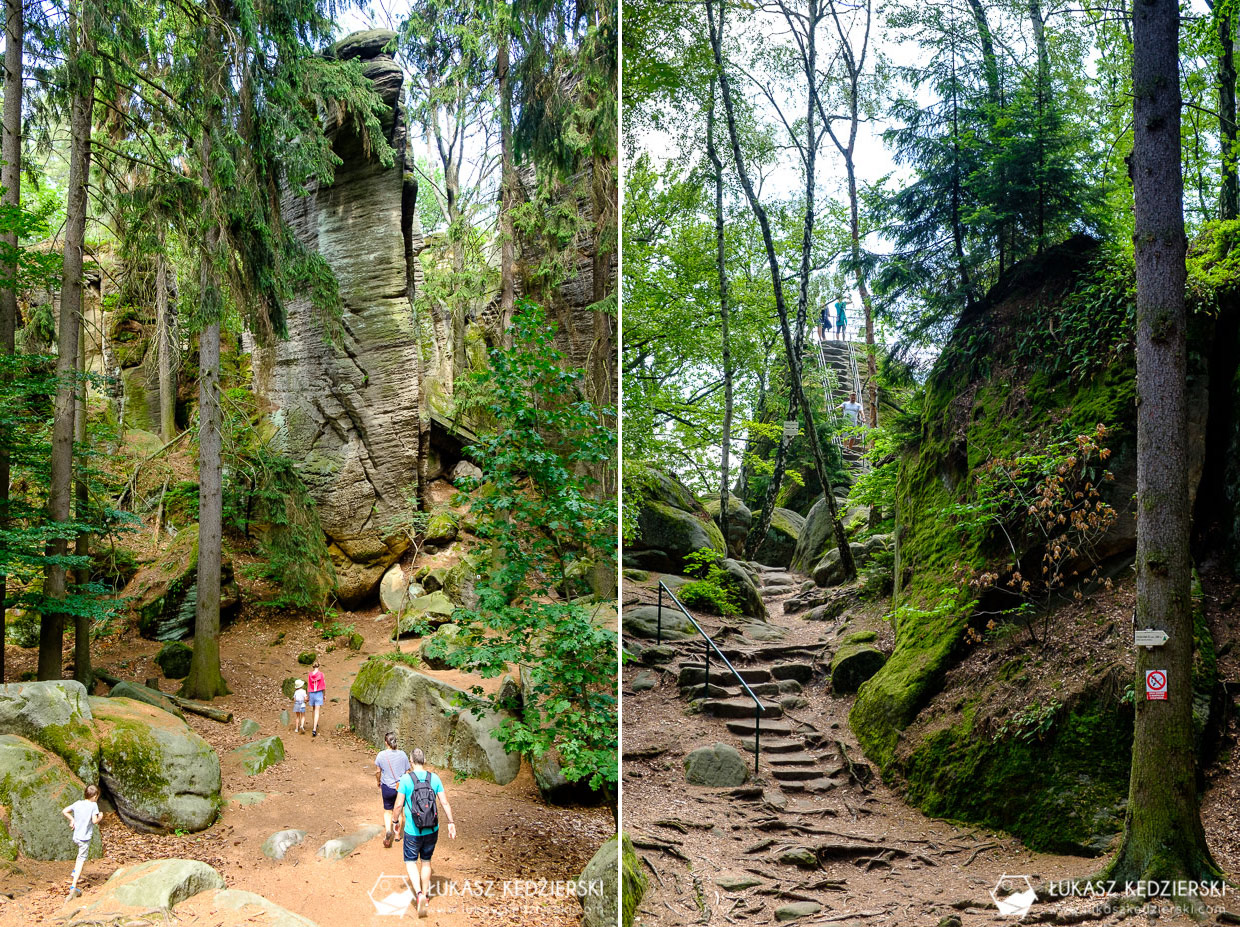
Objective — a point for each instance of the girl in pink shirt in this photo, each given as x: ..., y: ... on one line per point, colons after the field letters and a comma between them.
x: 315, y: 686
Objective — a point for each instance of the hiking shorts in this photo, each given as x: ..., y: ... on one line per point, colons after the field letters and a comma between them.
x: 420, y: 847
x: 316, y: 698
x: 84, y: 850
x: 389, y: 797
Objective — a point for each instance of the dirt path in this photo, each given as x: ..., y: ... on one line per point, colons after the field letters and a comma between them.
x: 867, y: 858
x: 326, y: 787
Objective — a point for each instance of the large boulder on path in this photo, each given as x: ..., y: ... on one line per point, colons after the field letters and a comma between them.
x: 739, y: 580
x: 162, y: 776
x: 166, y: 591
x: 718, y: 766
x: 740, y: 520
x: 600, y: 880
x: 817, y: 534
x: 780, y: 543
x: 671, y: 521
x: 35, y: 784
x: 158, y: 884
x: 55, y: 715
x: 854, y: 663
x: 434, y: 715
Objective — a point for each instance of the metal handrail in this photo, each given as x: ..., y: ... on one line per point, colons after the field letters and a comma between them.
x: 711, y: 645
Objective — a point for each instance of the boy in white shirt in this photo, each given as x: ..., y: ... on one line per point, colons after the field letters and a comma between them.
x: 82, y: 817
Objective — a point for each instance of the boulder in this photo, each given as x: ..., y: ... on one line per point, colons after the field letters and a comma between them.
x: 643, y: 621
x: 643, y: 681
x: 35, y: 785
x: 817, y: 535
x: 780, y: 543
x: 394, y: 588
x: 340, y: 847
x: 279, y: 843
x: 744, y: 588
x: 259, y: 755
x: 437, y: 650
x: 165, y: 592
x: 719, y: 766
x: 796, y: 910
x: 670, y: 520
x: 853, y: 664
x: 174, y: 659
x: 269, y: 913
x: 829, y: 571
x: 162, y: 776
x: 146, y: 694
x: 158, y: 884
x: 601, y: 898
x: 367, y: 44
x: 434, y: 715
x: 463, y: 469
x: 346, y: 404
x: 56, y: 715
x: 245, y: 799
x: 442, y: 528
x: 740, y: 520
x: 433, y: 608
x: 250, y: 727
x: 459, y: 581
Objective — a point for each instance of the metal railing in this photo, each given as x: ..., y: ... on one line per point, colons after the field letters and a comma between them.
x: 759, y: 708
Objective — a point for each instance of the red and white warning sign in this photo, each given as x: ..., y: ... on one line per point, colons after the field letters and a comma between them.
x: 1155, y: 684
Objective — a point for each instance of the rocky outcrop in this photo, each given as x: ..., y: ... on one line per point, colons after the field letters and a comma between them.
x: 435, y: 716
x: 780, y: 542
x: 35, y: 785
x: 161, y: 775
x: 56, y: 715
x: 740, y: 520
x: 158, y: 884
x: 347, y: 407
x: 165, y: 592
x: 671, y: 523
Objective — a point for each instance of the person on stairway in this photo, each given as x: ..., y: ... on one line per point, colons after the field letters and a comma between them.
x: 824, y: 323
x: 852, y: 409
x: 841, y: 318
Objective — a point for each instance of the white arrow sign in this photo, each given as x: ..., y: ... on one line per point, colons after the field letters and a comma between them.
x: 1149, y: 638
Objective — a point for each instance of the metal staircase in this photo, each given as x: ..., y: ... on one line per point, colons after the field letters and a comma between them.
x: 837, y: 364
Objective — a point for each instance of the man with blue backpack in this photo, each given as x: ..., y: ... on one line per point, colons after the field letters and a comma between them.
x: 417, y: 792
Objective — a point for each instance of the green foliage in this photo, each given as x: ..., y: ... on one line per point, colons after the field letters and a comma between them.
x: 1033, y: 722
x: 1084, y: 331
x: 411, y: 660
x: 543, y: 511
x: 709, y: 591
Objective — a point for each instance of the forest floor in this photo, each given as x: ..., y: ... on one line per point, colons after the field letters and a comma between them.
x: 325, y: 786
x: 879, y: 861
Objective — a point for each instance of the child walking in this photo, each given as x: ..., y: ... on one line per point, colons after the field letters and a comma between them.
x: 82, y: 816
x: 299, y: 706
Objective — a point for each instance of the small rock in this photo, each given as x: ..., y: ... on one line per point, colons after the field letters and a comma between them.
x: 284, y: 718
x: 645, y: 680
x: 718, y: 766
x: 801, y: 857
x: 249, y: 798
x: 464, y: 470
x: 789, y: 687
x: 637, y: 576
x: 250, y: 727
x: 307, y: 657
x: 793, y: 702
x: 801, y: 672
x: 736, y: 883
x: 174, y: 659
x: 658, y: 655
x: 775, y: 799
x: 762, y: 632
x: 861, y: 637
x: 343, y: 846
x: 790, y: 912
x: 950, y: 921
x: 281, y: 842
x: 854, y: 664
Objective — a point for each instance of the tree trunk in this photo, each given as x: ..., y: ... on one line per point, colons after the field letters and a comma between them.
x: 59, y: 494
x: 757, y: 534
x: 82, y: 622
x: 990, y: 64
x: 166, y: 346
x: 794, y: 362
x: 721, y: 265
x: 508, y: 191
x: 1163, y: 835
x: 10, y: 179
x: 809, y: 61
x: 1044, y: 81
x: 1229, y: 195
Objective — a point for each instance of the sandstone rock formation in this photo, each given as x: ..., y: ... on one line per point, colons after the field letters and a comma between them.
x: 347, y: 407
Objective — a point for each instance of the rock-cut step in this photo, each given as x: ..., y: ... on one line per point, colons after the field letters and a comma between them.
x: 772, y: 729
x: 740, y: 708
x: 792, y: 759
x: 694, y: 674
x: 776, y: 746
x: 796, y: 773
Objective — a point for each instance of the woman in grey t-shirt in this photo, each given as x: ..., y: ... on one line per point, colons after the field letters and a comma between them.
x: 390, y: 765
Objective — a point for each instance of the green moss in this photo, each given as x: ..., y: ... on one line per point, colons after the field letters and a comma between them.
x: 1063, y: 793
x: 633, y: 881
x: 129, y: 751
x: 374, y: 676
x: 76, y: 744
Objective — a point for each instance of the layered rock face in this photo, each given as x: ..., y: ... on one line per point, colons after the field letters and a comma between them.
x: 347, y: 408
